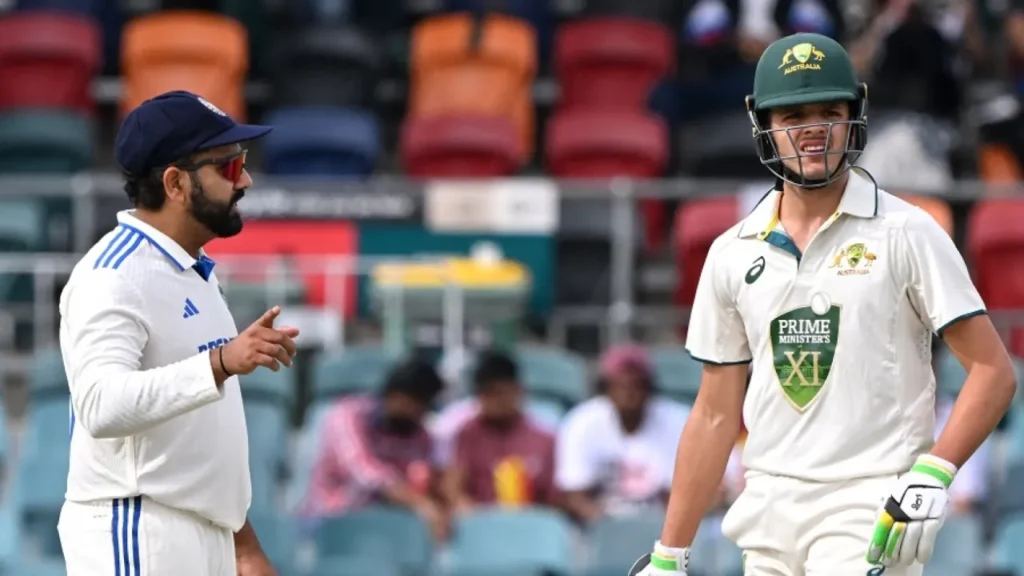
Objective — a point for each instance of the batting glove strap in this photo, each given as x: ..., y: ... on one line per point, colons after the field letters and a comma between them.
x: 670, y: 559
x: 935, y: 467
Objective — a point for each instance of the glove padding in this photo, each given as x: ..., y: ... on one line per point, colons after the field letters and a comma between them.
x: 911, y: 517
x: 664, y: 561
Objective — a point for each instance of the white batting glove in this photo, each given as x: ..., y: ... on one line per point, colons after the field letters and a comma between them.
x: 664, y: 561
x: 910, y: 519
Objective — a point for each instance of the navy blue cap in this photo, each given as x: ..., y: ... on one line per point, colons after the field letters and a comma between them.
x: 173, y: 125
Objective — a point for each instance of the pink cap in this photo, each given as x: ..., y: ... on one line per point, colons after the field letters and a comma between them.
x: 617, y: 359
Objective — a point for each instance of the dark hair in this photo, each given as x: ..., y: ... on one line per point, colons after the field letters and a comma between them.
x: 493, y: 366
x: 145, y: 191
x: 417, y: 378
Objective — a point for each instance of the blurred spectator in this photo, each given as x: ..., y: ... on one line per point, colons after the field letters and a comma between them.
x: 615, y: 452
x: 375, y: 450
x: 909, y: 55
x: 970, y: 487
x: 500, y: 457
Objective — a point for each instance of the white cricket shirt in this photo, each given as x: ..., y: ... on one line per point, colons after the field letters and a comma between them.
x: 138, y: 319
x: 839, y: 336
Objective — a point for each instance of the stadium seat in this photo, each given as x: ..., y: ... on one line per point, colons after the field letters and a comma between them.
x: 259, y: 27
x: 22, y: 225
x: 1010, y: 498
x: 80, y: 7
x: 553, y: 374
x: 937, y: 207
x: 543, y: 541
x: 248, y: 300
x: 269, y: 387
x: 995, y: 245
x: 464, y: 66
x: 617, y: 542
x: 539, y: 15
x: 373, y: 532
x: 201, y: 52
x: 47, y: 378
x: 48, y: 60
x: 997, y: 164
x: 327, y: 66
x: 268, y: 428
x: 667, y: 12
x: 713, y: 553
x: 35, y: 141
x: 960, y: 544
x: 1008, y: 554
x: 464, y: 146
x: 322, y: 141
x: 278, y: 537
x: 354, y: 370
x: 698, y: 223
x: 949, y: 373
x: 589, y: 142
x: 612, y: 62
x: 677, y: 373
x: 547, y: 412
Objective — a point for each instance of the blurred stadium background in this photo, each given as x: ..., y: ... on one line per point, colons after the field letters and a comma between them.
x: 541, y: 175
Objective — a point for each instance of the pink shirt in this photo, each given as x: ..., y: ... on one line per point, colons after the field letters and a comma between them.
x: 357, y: 458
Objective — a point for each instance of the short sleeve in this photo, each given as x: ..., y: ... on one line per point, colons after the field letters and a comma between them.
x: 715, y: 334
x: 576, y: 465
x: 939, y: 285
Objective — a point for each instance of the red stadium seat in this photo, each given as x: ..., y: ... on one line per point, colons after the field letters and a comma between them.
x: 48, y: 60
x: 995, y: 244
x: 315, y: 240
x: 612, y: 62
x: 601, y: 143
x: 698, y: 223
x: 460, y: 147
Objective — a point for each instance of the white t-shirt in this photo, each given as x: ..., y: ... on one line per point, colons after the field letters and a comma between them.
x: 631, y: 472
x: 137, y: 324
x: 855, y: 313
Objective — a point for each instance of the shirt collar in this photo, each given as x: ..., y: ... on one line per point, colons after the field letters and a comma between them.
x: 860, y: 199
x: 168, y: 247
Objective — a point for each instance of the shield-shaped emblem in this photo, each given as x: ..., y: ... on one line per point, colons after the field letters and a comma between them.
x: 803, y: 349
x: 854, y: 254
x: 802, y: 52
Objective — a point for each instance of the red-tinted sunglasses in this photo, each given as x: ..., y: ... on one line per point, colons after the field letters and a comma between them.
x: 230, y: 167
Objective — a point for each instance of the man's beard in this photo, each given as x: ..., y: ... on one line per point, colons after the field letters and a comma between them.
x: 216, y: 216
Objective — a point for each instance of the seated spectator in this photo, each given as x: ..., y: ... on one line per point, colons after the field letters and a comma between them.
x: 615, y: 452
x: 500, y: 457
x: 375, y: 450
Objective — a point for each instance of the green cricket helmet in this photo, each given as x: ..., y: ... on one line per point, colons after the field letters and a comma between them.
x: 800, y: 69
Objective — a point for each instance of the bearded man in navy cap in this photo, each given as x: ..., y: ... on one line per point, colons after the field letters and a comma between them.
x: 159, y: 479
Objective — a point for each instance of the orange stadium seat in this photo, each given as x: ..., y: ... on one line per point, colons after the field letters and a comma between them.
x: 200, y: 52
x: 612, y: 61
x: 588, y: 143
x: 297, y: 239
x: 460, y: 65
x: 48, y: 60
x: 460, y: 146
x: 937, y: 207
x: 698, y: 223
x: 998, y: 164
x: 995, y: 243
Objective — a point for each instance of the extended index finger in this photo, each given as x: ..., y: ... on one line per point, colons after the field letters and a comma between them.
x: 268, y: 317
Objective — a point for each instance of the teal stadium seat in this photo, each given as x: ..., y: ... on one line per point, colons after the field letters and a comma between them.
x: 553, y: 374
x: 960, y: 545
x: 547, y: 412
x: 712, y: 554
x: 616, y: 543
x: 949, y: 373
x: 267, y: 426
x: 45, y: 141
x: 377, y: 532
x: 354, y: 370
x: 677, y: 373
x: 1008, y: 553
x: 356, y: 566
x: 22, y: 229
x: 278, y: 535
x: 542, y: 542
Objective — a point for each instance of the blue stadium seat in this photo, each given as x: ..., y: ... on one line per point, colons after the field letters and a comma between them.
x: 543, y: 541
x: 960, y: 544
x: 322, y: 141
x: 1008, y: 554
x: 267, y: 386
x: 304, y: 455
x: 712, y: 552
x: 949, y: 373
x: 45, y: 141
x: 47, y: 376
x: 1010, y: 497
x: 355, y: 566
x: 677, y: 373
x: 22, y: 224
x: 278, y: 536
x: 373, y: 532
x: 89, y: 7
x: 547, y: 412
x: 267, y: 426
x: 553, y: 374
x: 354, y: 370
x: 617, y: 542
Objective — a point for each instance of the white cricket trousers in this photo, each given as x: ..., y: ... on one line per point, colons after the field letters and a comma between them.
x: 138, y: 537
x: 790, y: 527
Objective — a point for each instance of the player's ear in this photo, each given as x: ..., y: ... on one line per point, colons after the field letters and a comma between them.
x: 176, y: 183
